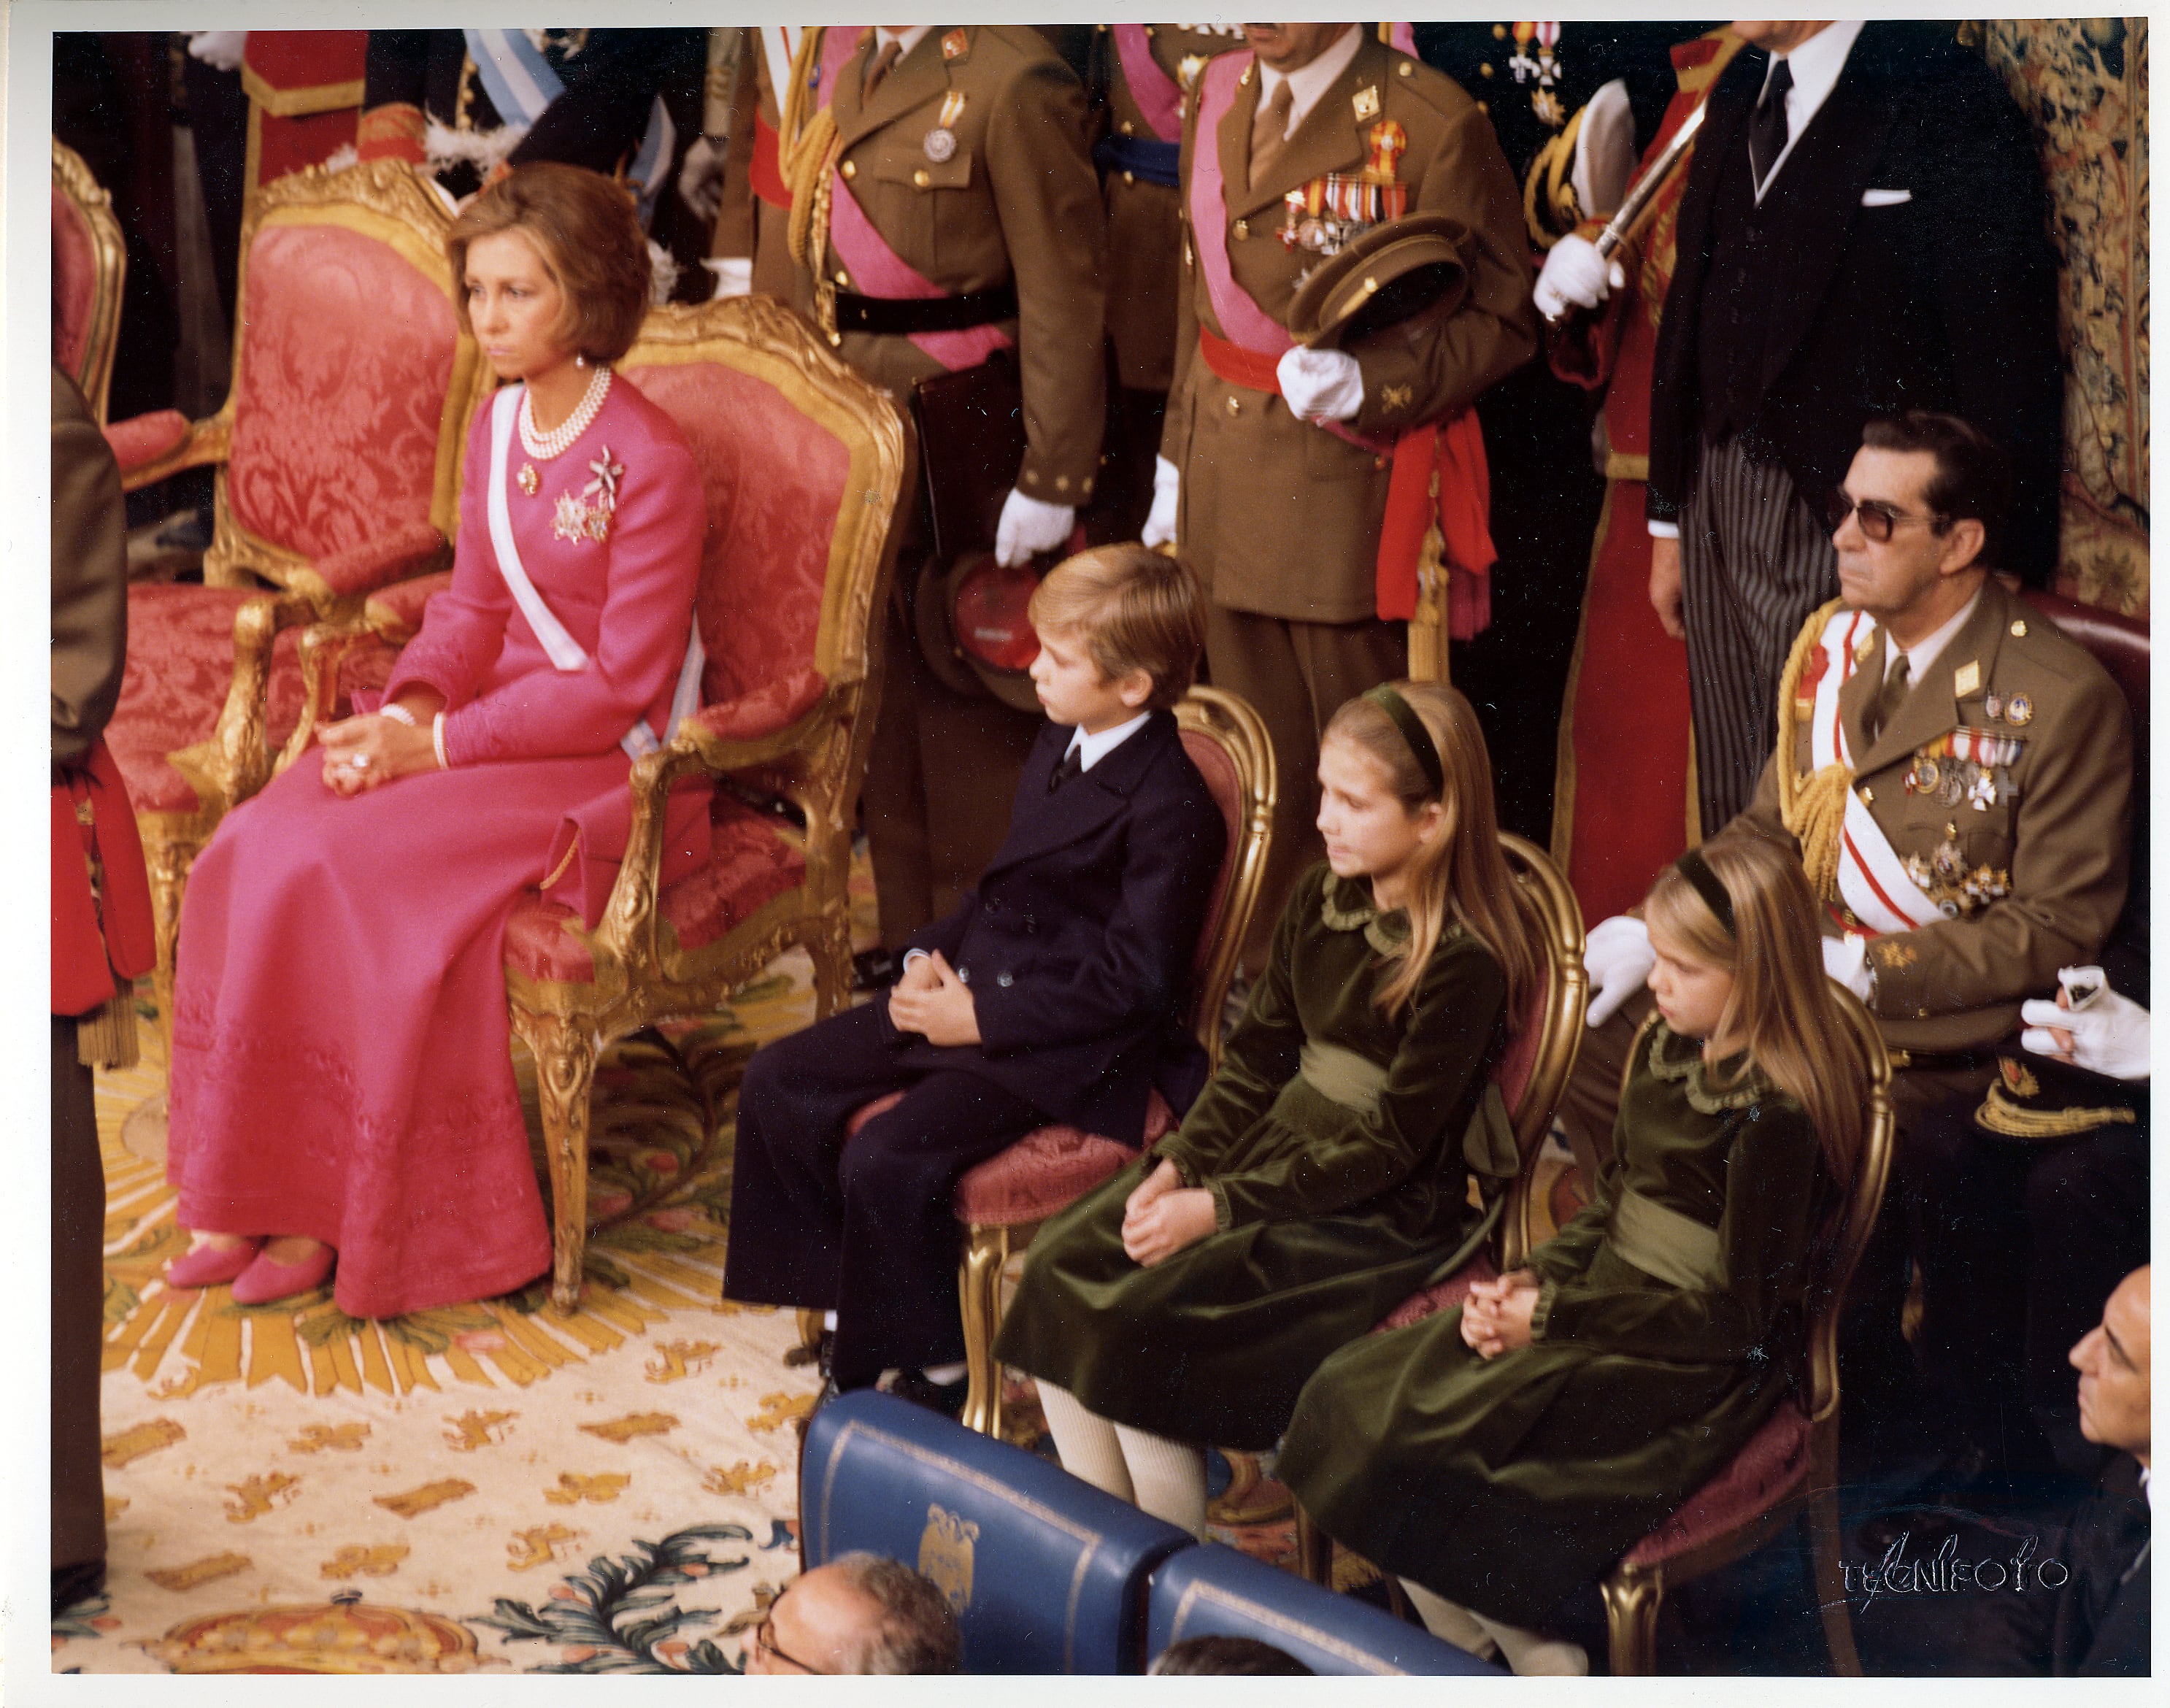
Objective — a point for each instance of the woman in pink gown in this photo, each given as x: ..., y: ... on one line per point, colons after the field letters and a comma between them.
x: 342, y: 1089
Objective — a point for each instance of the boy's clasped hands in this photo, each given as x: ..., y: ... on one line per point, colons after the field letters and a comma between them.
x: 1496, y: 1317
x: 931, y: 1001
x: 1163, y: 1215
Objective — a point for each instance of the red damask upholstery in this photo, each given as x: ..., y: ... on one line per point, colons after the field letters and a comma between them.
x: 1447, y: 1294
x: 1049, y: 1169
x: 1765, y: 1472
x: 141, y: 438
x: 75, y: 286
x: 180, y: 665
x: 767, y: 466
x: 343, y: 363
x: 1227, y: 788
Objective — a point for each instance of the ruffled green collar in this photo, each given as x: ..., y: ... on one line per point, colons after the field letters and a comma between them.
x: 1346, y: 904
x: 1711, y: 1088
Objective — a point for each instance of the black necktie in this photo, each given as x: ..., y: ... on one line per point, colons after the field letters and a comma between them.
x: 1767, y: 129
x: 1072, y: 763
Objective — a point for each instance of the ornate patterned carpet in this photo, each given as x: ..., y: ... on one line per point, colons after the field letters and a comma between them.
x: 499, y: 1487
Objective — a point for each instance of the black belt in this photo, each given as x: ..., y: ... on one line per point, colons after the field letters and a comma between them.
x: 1941, y: 1060
x: 898, y: 316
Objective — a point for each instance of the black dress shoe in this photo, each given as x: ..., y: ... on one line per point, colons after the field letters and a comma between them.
x: 874, y: 969
x: 946, y: 1397
x: 75, y: 1583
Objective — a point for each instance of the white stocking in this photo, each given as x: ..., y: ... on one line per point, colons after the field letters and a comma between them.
x: 1450, y: 1621
x: 1168, y: 1476
x: 1529, y: 1653
x: 1086, y: 1441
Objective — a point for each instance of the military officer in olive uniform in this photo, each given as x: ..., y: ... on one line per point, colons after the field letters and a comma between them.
x: 1573, y: 105
x: 963, y: 218
x: 1139, y: 77
x: 1273, y: 478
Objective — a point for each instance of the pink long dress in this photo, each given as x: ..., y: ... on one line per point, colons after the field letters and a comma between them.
x: 341, y: 1065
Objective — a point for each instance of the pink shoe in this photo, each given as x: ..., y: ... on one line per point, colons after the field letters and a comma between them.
x: 264, y: 1281
x: 206, y: 1266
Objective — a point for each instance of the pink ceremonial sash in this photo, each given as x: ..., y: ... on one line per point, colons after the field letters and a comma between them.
x: 878, y: 270
x: 1152, y: 89
x: 1403, y: 39
x: 1241, y: 318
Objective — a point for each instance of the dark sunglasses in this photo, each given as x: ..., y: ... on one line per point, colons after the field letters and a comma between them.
x: 1876, y: 518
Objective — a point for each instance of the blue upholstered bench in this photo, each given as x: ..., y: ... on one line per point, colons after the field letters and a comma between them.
x: 1214, y: 1590
x: 1047, y: 1573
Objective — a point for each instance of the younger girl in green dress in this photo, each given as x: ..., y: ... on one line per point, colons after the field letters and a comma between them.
x: 1500, y: 1456
x: 1324, y: 1173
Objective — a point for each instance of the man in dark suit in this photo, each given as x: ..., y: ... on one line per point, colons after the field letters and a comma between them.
x: 1055, y: 993
x: 1861, y: 233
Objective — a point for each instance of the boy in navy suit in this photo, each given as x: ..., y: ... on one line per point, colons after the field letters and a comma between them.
x: 1055, y: 993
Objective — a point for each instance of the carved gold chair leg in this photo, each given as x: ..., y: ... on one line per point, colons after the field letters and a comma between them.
x: 1823, y: 1546
x: 830, y: 951
x: 167, y: 859
x: 979, y: 1299
x: 564, y: 1051
x: 1633, y: 1596
x: 1314, y: 1551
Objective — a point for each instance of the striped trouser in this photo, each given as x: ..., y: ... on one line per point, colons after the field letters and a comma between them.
x: 1754, y: 564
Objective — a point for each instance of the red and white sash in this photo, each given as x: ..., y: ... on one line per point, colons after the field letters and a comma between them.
x: 1872, y: 878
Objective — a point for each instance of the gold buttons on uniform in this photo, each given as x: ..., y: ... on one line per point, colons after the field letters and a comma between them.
x: 1484, y: 71
x: 841, y: 278
x: 1868, y: 795
x: 1062, y: 483
x: 1951, y: 829
x: 920, y: 180
x: 2019, y: 629
x: 1235, y: 406
x: 850, y: 169
x: 1484, y: 106
x: 1499, y: 32
x: 1407, y: 70
x: 1242, y: 230
x: 1378, y: 462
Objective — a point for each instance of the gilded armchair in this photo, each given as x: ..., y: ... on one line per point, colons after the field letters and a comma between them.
x: 90, y: 267
x: 338, y: 455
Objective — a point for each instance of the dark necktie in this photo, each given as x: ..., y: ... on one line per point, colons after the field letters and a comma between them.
x: 1767, y: 129
x: 1889, y: 697
x: 878, y: 70
x: 1072, y: 763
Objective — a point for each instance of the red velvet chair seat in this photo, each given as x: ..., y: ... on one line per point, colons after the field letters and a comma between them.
x: 142, y: 439
x: 180, y: 666
x: 1444, y: 1296
x: 1764, y: 1472
x: 750, y: 866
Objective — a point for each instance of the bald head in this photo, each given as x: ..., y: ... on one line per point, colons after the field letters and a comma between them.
x: 2113, y: 1362
x: 859, y: 1613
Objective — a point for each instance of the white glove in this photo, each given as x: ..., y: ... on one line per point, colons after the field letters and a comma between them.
x: 733, y: 275
x: 1575, y: 277
x: 2109, y: 1035
x: 1160, y: 522
x: 1846, y: 962
x: 219, y: 49
x: 1320, y: 385
x: 1618, y: 957
x: 1029, y: 527
x: 701, y: 178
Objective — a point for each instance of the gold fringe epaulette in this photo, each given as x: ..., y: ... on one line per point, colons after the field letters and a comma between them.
x: 1998, y: 1113
x: 1812, y: 806
x: 106, y: 1036
x: 806, y: 154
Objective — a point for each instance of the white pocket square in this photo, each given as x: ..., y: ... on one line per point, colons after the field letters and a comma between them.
x: 1885, y: 198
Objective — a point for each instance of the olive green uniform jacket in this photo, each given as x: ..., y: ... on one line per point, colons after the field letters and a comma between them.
x: 1279, y: 516
x: 1339, y: 1143
x: 1669, y: 1325
x: 2057, y: 839
x: 1016, y: 199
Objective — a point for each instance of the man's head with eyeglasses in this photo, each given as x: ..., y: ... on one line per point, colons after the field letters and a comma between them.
x: 860, y: 1614
x: 1918, y: 520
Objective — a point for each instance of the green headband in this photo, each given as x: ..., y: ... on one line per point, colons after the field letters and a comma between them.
x: 1389, y: 701
x: 1697, y: 870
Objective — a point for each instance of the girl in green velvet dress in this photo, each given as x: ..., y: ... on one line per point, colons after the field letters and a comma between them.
x: 1324, y: 1173
x: 1500, y: 1456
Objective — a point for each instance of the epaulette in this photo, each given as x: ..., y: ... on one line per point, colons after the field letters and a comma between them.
x: 1434, y: 88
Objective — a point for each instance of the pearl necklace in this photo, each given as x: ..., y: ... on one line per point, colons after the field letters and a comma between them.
x: 543, y: 446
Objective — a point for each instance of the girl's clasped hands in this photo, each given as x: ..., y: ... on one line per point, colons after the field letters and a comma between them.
x: 1496, y: 1317
x: 1163, y: 1215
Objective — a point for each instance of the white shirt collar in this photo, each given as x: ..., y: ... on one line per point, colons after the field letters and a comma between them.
x: 1306, y: 83
x: 1815, y: 64
x: 1091, y: 749
x: 907, y: 40
x: 1923, y: 653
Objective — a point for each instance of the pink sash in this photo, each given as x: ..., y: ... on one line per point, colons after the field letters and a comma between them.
x: 1403, y: 39
x: 1152, y: 89
x: 1241, y: 318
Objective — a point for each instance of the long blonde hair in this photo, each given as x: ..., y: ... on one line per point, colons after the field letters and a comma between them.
x: 1782, y: 1007
x: 1460, y: 872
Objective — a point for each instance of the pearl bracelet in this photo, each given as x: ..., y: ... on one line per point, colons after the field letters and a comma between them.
x: 437, y: 741
x: 397, y: 713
